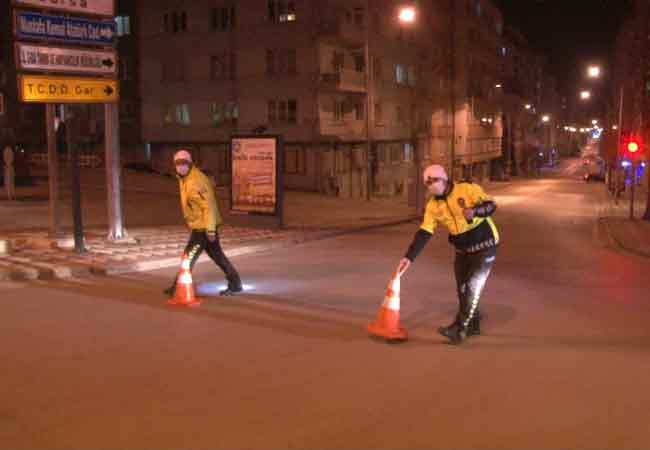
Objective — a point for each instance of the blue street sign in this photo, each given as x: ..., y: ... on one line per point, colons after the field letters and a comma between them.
x: 30, y: 25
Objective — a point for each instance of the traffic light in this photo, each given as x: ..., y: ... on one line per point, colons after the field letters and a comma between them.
x: 631, y: 147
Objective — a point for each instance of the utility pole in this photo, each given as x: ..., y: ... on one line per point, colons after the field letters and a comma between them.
x: 370, y: 157
x: 452, y: 82
x: 645, y: 103
x: 53, y: 173
x: 116, y: 231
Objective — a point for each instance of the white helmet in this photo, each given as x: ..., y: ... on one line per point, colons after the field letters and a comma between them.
x: 183, y: 154
x: 434, y: 171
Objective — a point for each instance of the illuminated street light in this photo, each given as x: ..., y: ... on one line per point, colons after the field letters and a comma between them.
x: 498, y: 85
x: 407, y: 15
x: 585, y: 95
x: 614, y: 127
x: 545, y: 118
x: 528, y: 106
x: 593, y: 71
x: 594, y: 122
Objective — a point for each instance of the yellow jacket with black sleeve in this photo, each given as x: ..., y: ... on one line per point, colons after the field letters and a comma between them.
x: 468, y: 237
x: 199, y: 201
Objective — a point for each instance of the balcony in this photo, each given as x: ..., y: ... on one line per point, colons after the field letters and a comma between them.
x: 342, y: 129
x: 345, y: 80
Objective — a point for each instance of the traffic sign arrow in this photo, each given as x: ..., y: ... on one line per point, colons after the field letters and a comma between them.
x: 108, y: 62
x: 108, y: 91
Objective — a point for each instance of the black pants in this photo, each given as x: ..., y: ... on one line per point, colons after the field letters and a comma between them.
x: 199, y: 242
x: 472, y: 271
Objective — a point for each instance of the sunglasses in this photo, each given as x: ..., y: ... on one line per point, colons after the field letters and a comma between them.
x: 433, y: 180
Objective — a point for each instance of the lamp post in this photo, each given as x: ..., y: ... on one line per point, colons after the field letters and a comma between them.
x: 406, y: 15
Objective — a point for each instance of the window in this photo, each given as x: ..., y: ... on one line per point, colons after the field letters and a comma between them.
x: 224, y: 113
x: 377, y: 68
x: 281, y: 62
x: 339, y: 111
x: 222, y: 19
x: 223, y: 66
x: 359, y: 111
x: 379, y: 116
x: 359, y: 17
x: 174, y: 22
x: 123, y: 25
x: 412, y: 76
x: 338, y: 60
x: 359, y: 62
x: 408, y: 152
x: 282, y: 11
x: 217, y: 68
x: 400, y: 74
x: 283, y: 111
x: 183, y: 114
x: 395, y: 153
x: 177, y: 114
x: 294, y: 160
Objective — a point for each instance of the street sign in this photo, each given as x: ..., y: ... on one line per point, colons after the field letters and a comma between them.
x: 51, y: 89
x: 42, y: 58
x: 29, y: 25
x: 93, y: 7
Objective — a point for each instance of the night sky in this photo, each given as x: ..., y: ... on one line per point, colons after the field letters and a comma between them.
x: 570, y: 33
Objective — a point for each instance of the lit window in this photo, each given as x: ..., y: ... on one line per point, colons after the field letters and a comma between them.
x: 124, y: 25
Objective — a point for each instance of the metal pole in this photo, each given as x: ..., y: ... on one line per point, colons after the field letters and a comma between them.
x: 116, y: 230
x: 369, y: 97
x: 452, y: 76
x: 75, y: 186
x: 53, y: 173
x: 618, y: 142
x: 632, y: 187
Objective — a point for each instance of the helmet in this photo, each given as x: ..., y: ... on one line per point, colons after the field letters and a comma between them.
x: 434, y: 171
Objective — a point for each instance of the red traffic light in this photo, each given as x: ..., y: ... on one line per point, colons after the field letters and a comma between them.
x: 633, y: 146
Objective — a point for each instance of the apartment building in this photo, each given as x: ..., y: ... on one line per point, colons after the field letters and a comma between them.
x: 361, y: 98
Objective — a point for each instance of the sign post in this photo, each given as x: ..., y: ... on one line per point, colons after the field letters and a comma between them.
x: 53, y: 173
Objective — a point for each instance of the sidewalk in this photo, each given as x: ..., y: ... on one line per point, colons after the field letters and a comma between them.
x: 153, y: 218
x: 630, y: 235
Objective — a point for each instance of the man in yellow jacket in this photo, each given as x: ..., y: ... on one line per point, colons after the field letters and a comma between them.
x: 201, y: 212
x: 465, y: 210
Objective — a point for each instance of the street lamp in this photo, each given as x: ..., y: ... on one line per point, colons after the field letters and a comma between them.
x: 407, y: 14
x: 546, y: 118
x: 585, y: 95
x: 593, y: 72
x: 594, y: 122
x: 528, y: 106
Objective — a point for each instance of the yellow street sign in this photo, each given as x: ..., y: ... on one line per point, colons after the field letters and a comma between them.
x: 50, y: 89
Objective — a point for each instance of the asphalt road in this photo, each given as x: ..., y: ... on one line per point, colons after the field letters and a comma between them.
x: 563, y: 362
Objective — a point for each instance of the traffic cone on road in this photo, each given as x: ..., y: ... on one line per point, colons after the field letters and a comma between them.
x: 387, y: 323
x: 184, y: 294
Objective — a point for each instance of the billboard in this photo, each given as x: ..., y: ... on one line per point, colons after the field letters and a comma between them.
x: 256, y: 187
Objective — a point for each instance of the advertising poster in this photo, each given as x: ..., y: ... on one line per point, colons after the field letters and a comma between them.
x: 255, y: 174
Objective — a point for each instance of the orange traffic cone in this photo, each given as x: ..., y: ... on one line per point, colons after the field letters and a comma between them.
x: 387, y: 323
x: 184, y: 295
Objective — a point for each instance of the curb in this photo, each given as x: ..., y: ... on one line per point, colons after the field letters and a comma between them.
x: 605, y: 222
x: 18, y: 268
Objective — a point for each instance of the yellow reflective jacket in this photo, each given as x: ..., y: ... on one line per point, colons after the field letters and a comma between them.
x: 199, y: 201
x: 448, y: 211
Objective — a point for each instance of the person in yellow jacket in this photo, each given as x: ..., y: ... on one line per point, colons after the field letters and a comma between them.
x: 465, y: 210
x: 201, y: 212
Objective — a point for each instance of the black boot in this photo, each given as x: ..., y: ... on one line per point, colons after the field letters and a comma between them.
x: 234, y: 286
x: 456, y: 333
